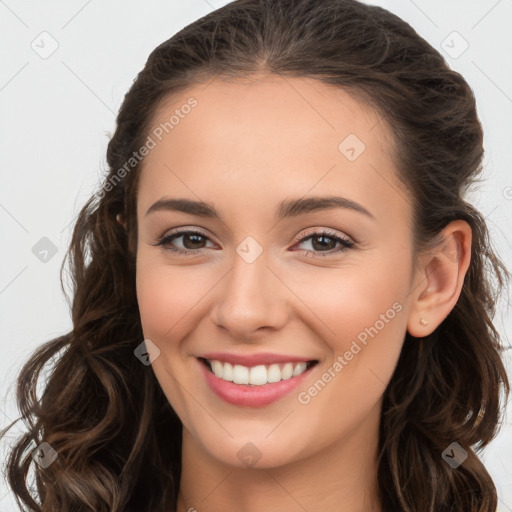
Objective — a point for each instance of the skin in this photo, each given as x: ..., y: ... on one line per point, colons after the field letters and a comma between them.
x: 246, y: 146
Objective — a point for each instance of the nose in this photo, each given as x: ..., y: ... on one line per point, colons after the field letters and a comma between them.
x: 250, y: 301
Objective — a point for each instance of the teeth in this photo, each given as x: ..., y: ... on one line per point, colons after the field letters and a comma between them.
x: 299, y: 368
x: 273, y: 373
x: 217, y: 367
x: 240, y: 374
x: 287, y: 371
x: 227, y: 370
x: 256, y: 375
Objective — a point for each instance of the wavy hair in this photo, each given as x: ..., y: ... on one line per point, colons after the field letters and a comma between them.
x: 118, y: 439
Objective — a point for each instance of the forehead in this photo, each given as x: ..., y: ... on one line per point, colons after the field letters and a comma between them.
x: 267, y: 137
x: 270, y: 109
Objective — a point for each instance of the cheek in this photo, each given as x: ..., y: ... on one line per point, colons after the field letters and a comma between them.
x: 348, y: 301
x: 361, y: 315
x: 167, y: 295
x: 169, y: 301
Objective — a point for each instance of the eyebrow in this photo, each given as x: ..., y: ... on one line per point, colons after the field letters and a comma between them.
x: 287, y: 208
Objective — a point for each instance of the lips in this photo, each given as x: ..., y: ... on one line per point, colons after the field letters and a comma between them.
x: 253, y: 380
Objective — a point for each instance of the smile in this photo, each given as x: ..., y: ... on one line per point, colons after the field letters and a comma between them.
x: 257, y: 375
x: 253, y: 386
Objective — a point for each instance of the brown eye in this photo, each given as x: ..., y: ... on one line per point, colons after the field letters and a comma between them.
x: 324, y: 244
x: 321, y: 242
x: 193, y: 242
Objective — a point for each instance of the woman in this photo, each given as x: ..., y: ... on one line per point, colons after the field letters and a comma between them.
x: 282, y: 299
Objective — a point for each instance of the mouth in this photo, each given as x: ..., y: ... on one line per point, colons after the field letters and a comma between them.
x: 259, y: 375
x: 254, y: 386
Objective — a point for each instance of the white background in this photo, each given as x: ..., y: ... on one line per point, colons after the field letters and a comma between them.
x: 58, y: 113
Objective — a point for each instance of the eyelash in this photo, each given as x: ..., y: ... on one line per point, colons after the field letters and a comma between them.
x: 346, y: 244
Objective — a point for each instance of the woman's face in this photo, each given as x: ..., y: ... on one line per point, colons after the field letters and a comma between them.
x: 260, y: 286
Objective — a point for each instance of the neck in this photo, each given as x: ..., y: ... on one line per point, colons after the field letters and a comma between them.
x: 341, y: 476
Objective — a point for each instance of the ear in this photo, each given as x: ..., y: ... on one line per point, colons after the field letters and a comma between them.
x: 119, y: 218
x: 439, y: 279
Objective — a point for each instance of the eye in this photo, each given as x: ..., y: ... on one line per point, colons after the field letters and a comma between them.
x: 323, y: 243
x: 193, y: 242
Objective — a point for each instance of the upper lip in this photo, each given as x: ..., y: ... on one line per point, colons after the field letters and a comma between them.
x: 265, y: 358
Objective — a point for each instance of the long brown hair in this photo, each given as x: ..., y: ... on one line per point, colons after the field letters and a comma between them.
x: 117, y: 438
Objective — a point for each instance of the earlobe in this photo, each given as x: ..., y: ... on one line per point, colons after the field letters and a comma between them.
x: 119, y: 219
x: 441, y: 277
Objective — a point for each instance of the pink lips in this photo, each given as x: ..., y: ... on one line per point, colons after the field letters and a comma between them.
x: 246, y: 395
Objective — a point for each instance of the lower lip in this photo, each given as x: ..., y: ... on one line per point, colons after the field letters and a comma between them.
x: 252, y: 396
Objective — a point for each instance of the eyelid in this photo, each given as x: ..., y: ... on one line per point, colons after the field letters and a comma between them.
x: 318, y: 231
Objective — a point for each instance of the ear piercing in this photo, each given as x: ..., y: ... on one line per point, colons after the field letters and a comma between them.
x: 423, y: 322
